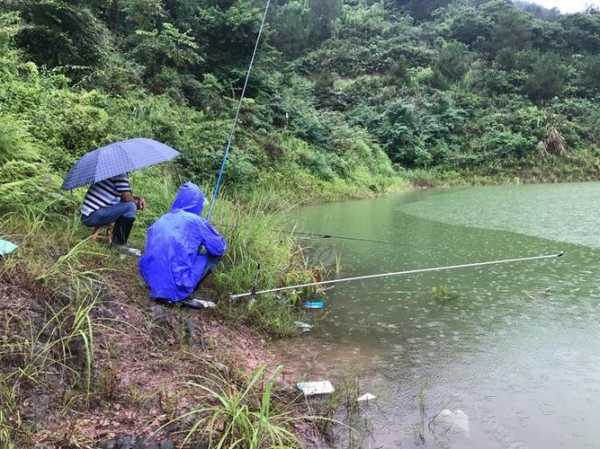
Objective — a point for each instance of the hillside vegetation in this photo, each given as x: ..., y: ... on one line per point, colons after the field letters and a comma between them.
x: 341, y: 91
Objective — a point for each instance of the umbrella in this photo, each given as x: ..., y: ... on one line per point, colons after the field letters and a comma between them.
x: 116, y: 159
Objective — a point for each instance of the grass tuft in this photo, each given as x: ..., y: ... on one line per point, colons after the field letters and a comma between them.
x: 241, y: 416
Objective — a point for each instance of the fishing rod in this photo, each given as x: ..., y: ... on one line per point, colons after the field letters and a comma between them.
x: 231, y: 138
x: 398, y: 273
x: 334, y: 236
x: 316, y: 234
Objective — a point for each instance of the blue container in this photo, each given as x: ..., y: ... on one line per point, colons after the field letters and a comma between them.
x: 314, y: 304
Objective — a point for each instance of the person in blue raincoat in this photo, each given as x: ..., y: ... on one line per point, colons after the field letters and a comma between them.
x: 181, y: 249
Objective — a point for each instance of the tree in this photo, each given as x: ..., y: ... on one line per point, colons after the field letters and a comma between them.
x: 512, y: 30
x: 169, y: 56
x: 323, y: 14
x: 167, y: 47
x: 538, y: 11
x: 451, y: 65
x: 582, y: 31
x: 228, y: 33
x: 420, y: 9
x: 9, y: 27
x: 470, y: 27
x: 144, y: 14
x: 590, y: 74
x: 58, y: 34
x: 547, y: 78
x: 291, y: 27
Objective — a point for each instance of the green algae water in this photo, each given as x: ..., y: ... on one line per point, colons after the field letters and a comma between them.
x: 516, y: 347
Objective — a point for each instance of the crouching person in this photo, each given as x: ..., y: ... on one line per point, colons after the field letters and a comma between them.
x: 111, y: 202
x: 181, y: 250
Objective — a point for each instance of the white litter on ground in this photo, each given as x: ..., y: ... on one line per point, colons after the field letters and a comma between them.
x: 6, y: 248
x: 450, y: 422
x: 303, y: 327
x: 315, y: 388
x: 134, y: 252
x: 207, y: 304
x: 127, y: 251
x: 366, y: 397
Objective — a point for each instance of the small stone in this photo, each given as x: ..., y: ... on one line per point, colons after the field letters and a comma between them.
x: 126, y: 442
x: 108, y: 444
x: 221, y: 367
x: 151, y: 444
x: 202, y: 445
x: 158, y: 313
x: 105, y: 312
x: 190, y: 332
x: 167, y: 444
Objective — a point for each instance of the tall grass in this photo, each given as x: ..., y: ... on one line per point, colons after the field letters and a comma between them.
x: 260, y: 256
x: 239, y: 416
x: 67, y: 334
x: 9, y: 414
x: 72, y: 335
x: 50, y: 337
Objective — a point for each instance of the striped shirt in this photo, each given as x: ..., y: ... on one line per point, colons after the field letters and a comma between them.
x: 105, y: 193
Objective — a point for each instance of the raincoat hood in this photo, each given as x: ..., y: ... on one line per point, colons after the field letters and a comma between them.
x: 189, y: 198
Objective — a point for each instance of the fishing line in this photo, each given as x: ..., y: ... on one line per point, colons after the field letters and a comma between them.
x: 333, y: 236
x: 219, y: 181
x: 398, y: 273
x: 317, y: 235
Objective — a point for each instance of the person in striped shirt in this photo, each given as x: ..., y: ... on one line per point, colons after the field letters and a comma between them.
x: 111, y: 201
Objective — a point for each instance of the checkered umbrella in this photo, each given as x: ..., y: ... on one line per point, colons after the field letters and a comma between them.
x: 116, y: 159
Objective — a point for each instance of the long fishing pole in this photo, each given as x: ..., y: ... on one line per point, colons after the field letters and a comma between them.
x: 334, y: 236
x: 398, y: 273
x: 322, y: 236
x: 230, y: 139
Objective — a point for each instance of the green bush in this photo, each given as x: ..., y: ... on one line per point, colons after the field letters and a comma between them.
x: 41, y: 192
x: 547, y: 78
x: 15, y: 141
x: 501, y: 144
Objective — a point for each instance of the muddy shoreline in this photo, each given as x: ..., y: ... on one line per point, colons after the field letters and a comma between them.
x: 145, y: 356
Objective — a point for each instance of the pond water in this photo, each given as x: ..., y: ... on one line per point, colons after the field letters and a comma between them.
x: 516, y: 347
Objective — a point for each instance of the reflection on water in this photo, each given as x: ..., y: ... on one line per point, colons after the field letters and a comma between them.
x: 563, y: 212
x: 517, y: 347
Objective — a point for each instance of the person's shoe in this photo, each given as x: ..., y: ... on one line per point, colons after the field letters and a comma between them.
x: 127, y: 250
x: 121, y: 230
x: 198, y: 303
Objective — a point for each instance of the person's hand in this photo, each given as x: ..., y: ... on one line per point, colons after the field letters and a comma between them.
x: 140, y: 202
x: 127, y: 197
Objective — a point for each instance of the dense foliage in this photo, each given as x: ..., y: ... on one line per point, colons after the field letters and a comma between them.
x: 340, y: 89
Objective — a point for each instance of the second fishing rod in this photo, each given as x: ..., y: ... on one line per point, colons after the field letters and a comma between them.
x: 255, y: 292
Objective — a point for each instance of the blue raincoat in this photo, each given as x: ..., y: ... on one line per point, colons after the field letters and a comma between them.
x: 180, y: 247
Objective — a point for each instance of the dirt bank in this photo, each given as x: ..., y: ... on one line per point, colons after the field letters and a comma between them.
x: 144, y: 355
